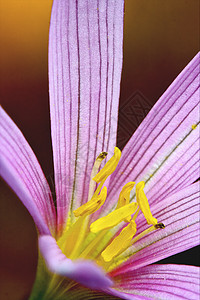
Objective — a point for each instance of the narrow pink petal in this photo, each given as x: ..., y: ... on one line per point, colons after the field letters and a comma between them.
x: 180, y: 214
x: 82, y: 271
x: 161, y: 150
x: 85, y: 61
x: 166, y: 282
x: 20, y: 169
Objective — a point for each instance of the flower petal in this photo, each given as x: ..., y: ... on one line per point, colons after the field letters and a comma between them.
x: 20, y: 169
x: 163, y: 151
x: 82, y: 271
x: 161, y: 282
x: 85, y: 61
x: 123, y: 295
x: 180, y: 214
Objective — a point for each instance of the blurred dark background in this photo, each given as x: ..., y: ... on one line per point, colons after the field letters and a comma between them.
x: 160, y: 38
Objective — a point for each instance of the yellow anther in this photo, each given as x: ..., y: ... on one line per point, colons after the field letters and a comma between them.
x: 93, y: 205
x: 124, y: 197
x: 109, y: 167
x: 120, y: 243
x: 113, y: 218
x: 144, y: 204
x: 194, y: 126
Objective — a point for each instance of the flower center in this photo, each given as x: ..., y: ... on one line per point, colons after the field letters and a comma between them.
x: 95, y: 241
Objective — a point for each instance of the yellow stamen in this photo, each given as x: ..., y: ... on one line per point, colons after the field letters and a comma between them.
x: 125, y: 256
x: 109, y: 167
x: 93, y: 205
x: 143, y: 204
x: 124, y: 197
x: 120, y: 243
x: 102, y: 243
x: 113, y: 218
x: 94, y: 172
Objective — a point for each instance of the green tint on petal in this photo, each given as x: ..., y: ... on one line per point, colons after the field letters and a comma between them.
x: 42, y: 280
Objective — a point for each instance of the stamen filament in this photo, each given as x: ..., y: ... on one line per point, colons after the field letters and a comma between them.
x: 92, y: 244
x: 145, y: 232
x: 99, y: 187
x: 94, y: 172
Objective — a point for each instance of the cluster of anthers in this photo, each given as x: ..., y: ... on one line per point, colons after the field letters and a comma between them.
x: 100, y: 240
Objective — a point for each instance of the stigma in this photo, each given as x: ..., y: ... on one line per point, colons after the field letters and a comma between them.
x: 110, y: 236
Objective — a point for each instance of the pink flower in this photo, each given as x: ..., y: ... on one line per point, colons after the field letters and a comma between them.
x: 94, y: 243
